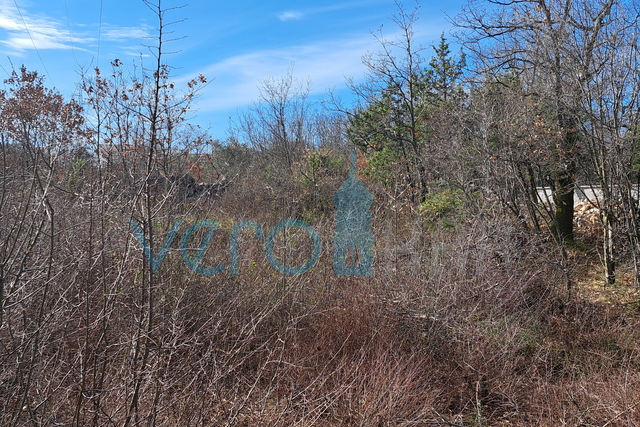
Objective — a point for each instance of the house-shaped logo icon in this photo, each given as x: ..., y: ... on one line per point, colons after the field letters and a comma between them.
x: 353, y: 241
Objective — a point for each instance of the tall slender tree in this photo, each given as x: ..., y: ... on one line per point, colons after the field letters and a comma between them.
x: 444, y: 73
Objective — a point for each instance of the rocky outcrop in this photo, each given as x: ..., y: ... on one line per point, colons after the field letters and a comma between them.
x: 185, y: 186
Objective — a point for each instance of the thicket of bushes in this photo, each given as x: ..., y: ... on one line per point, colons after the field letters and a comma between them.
x: 464, y: 323
x: 479, y: 311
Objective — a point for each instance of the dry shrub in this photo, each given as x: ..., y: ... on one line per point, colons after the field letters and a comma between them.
x: 466, y: 323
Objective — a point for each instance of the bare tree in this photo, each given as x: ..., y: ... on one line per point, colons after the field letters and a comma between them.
x: 141, y: 137
x: 610, y: 92
x: 38, y: 130
x: 535, y: 38
x: 571, y: 55
x: 279, y: 123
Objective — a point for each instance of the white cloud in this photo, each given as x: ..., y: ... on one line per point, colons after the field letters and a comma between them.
x: 7, y: 23
x: 325, y: 64
x: 115, y: 33
x: 290, y: 16
x: 44, y: 33
x: 295, y: 15
x: 25, y: 30
x: 41, y: 41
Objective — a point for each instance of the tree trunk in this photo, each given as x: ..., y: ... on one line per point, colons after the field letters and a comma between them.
x: 563, y: 199
x: 608, y: 248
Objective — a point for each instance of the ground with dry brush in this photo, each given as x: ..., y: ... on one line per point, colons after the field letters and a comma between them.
x: 469, y: 323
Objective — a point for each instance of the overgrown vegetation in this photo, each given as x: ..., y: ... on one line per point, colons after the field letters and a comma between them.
x: 481, y: 309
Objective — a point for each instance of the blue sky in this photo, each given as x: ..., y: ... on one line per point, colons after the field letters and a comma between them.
x: 233, y: 43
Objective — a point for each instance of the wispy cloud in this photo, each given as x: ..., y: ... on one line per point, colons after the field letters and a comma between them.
x: 299, y: 14
x: 325, y: 64
x: 290, y: 16
x: 345, y: 5
x: 115, y: 33
x: 25, y: 31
